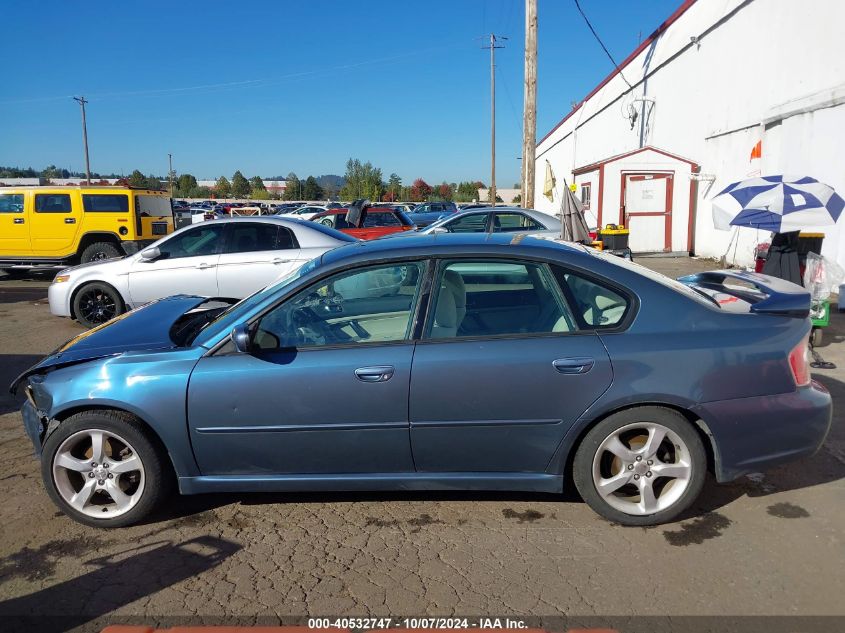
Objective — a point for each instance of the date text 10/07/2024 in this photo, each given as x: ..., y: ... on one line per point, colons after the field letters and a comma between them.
x: 416, y: 623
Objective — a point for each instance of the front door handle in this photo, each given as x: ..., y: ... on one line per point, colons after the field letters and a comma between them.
x: 18, y: 220
x: 378, y: 373
x: 279, y: 260
x: 204, y: 266
x: 575, y: 365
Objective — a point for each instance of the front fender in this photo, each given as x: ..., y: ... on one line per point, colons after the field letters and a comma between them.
x: 150, y: 385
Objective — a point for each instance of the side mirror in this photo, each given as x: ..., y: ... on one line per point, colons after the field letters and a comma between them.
x: 241, y: 338
x: 439, y: 229
x: 151, y: 254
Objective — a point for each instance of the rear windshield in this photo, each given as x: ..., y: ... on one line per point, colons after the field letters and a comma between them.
x: 327, y: 230
x: 153, y: 206
x: 653, y: 276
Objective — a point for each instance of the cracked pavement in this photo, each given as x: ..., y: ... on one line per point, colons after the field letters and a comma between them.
x: 767, y: 544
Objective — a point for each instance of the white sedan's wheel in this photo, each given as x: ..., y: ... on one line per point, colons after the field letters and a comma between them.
x: 98, y: 473
x: 641, y: 466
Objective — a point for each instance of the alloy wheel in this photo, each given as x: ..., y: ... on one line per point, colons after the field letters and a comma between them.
x: 98, y: 473
x: 642, y: 468
x: 97, y: 305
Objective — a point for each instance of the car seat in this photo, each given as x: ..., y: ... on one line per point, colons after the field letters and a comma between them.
x: 451, y: 306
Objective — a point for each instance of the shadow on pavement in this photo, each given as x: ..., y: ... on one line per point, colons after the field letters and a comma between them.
x: 12, y: 366
x: 118, y: 580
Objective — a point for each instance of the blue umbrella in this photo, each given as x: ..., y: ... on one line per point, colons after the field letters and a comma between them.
x: 777, y: 203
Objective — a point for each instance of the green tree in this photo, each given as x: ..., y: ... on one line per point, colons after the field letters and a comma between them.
x: 260, y: 194
x: 137, y: 179
x: 394, y: 187
x: 199, y: 192
x: 240, y: 185
x: 362, y: 181
x: 223, y: 188
x: 311, y: 189
x: 293, y: 188
x: 185, y: 184
x: 256, y: 185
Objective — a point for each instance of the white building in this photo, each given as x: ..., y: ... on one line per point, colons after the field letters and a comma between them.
x: 716, y: 78
x: 507, y: 195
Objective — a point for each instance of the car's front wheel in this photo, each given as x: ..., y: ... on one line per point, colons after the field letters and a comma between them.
x: 95, y: 303
x: 101, y: 469
x: 641, y: 466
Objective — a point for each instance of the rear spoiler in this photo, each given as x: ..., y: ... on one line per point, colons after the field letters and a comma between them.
x: 781, y: 297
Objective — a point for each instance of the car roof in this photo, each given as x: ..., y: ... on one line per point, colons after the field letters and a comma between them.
x: 485, y: 244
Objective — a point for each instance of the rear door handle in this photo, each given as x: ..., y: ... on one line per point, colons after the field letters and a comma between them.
x: 378, y: 373
x: 70, y: 220
x: 279, y: 260
x: 575, y: 365
x: 18, y: 220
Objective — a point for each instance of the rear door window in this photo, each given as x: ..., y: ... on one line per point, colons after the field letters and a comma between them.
x: 497, y: 298
x: 381, y: 218
x: 595, y: 305
x: 52, y: 203
x: 105, y: 203
x: 246, y: 238
x: 511, y: 222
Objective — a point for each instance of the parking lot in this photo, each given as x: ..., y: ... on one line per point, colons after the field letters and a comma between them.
x: 765, y: 545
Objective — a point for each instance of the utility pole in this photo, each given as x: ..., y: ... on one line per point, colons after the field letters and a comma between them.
x: 494, y: 44
x: 82, y: 101
x: 170, y: 172
x: 529, y: 115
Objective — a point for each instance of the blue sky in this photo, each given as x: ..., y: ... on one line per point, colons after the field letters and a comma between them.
x: 272, y: 87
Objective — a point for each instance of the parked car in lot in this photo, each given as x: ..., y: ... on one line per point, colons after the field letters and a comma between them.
x: 378, y: 222
x: 231, y: 257
x: 303, y: 213
x: 47, y: 228
x: 498, y: 220
x: 429, y: 212
x: 438, y: 362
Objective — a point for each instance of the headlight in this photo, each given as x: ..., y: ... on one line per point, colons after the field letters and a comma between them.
x: 61, y: 279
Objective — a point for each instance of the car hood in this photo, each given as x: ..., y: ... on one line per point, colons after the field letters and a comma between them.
x: 100, y: 262
x: 146, y: 328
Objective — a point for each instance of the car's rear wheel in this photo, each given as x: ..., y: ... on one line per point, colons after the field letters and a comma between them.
x: 642, y: 466
x: 96, y: 303
x: 101, y: 469
x: 98, y: 251
x: 327, y: 222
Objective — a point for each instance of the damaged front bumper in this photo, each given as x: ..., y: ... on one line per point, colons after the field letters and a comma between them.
x: 35, y: 426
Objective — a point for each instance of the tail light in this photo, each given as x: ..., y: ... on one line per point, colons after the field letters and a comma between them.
x: 799, y: 363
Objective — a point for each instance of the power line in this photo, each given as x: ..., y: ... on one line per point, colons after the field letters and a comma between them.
x: 604, y: 48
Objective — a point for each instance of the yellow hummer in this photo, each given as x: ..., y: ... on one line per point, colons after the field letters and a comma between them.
x: 49, y: 227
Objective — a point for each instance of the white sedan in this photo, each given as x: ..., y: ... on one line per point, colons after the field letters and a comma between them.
x: 304, y: 213
x: 230, y: 258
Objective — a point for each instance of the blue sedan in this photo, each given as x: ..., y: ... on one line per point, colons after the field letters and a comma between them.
x: 484, y: 362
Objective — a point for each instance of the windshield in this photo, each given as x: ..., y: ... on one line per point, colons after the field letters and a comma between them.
x: 156, y: 206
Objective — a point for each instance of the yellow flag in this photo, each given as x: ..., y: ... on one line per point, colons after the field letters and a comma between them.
x: 549, y: 184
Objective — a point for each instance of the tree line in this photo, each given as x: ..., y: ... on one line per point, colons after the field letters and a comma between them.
x: 361, y: 180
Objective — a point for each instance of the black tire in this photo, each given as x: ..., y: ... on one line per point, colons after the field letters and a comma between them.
x: 327, y: 222
x: 582, y: 467
x: 816, y: 337
x: 157, y: 478
x: 96, y: 303
x: 99, y: 250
